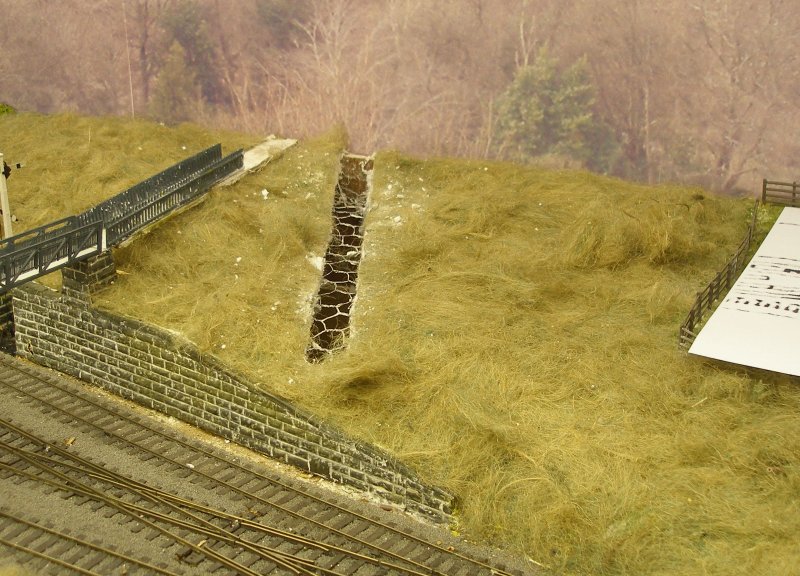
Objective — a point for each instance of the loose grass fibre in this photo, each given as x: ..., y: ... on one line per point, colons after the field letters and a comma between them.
x: 514, y: 339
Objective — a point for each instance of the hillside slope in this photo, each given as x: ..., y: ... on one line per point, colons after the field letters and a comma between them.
x: 514, y: 339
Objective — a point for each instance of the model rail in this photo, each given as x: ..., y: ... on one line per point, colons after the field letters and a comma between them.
x: 91, y: 554
x: 288, y: 527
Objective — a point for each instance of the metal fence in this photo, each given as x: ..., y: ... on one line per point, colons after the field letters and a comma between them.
x: 48, y: 248
x: 42, y: 250
x: 786, y: 193
x: 718, y: 287
x: 131, y: 210
x: 156, y: 207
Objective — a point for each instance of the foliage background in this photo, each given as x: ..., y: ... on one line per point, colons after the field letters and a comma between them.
x: 702, y: 93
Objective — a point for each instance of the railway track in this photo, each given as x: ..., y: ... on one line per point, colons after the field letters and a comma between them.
x: 124, y: 494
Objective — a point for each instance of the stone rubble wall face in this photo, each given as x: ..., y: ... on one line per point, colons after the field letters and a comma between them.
x: 161, y: 371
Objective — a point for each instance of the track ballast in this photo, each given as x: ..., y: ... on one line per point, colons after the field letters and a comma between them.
x: 90, y: 486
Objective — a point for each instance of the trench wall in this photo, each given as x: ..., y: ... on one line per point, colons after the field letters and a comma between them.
x: 164, y: 372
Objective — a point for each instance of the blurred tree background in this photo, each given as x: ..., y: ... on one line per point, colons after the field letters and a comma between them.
x: 546, y: 111
x: 700, y: 93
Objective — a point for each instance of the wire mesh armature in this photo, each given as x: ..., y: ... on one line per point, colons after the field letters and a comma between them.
x: 337, y: 290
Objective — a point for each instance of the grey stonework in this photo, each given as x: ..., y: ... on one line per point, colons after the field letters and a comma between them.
x: 161, y: 371
x: 82, y: 279
x: 7, y: 342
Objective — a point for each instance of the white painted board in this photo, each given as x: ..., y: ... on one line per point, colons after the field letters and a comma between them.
x: 758, y: 322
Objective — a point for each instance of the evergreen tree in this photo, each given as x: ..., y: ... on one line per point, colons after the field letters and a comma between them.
x: 283, y: 19
x: 186, y: 25
x: 545, y: 111
x: 175, y: 94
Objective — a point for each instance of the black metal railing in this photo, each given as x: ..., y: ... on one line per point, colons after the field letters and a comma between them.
x: 46, y: 249
x: 36, y: 252
x: 718, y: 287
x: 131, y: 210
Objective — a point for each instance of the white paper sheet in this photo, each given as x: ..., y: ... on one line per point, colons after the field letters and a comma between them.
x: 758, y: 322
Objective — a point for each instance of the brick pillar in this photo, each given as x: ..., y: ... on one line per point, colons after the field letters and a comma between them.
x: 82, y: 279
x: 7, y: 343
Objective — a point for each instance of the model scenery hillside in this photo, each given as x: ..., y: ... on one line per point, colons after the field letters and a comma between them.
x: 513, y: 339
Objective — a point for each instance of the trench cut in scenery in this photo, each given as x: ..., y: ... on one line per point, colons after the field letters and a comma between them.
x: 337, y: 289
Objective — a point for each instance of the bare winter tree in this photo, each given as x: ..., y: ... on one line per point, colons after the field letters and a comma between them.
x: 702, y: 92
x: 629, y: 49
x: 742, y: 61
x: 144, y: 40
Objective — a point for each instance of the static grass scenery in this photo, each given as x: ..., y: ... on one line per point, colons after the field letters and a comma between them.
x: 514, y: 336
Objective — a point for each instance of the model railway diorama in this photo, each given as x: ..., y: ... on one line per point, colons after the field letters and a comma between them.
x: 493, y: 348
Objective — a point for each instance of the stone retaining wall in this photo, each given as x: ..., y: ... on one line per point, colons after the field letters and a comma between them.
x: 162, y: 371
x: 7, y: 342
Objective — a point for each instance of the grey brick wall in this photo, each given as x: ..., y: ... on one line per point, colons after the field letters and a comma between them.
x: 7, y: 343
x: 161, y: 371
x: 84, y: 278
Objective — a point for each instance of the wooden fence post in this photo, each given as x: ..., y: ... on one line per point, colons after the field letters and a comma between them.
x: 705, y: 299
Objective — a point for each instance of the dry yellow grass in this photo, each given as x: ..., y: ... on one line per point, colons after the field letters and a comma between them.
x: 14, y: 570
x: 101, y: 156
x: 72, y: 162
x: 514, y: 339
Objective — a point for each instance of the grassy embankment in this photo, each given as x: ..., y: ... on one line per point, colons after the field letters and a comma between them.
x: 514, y: 340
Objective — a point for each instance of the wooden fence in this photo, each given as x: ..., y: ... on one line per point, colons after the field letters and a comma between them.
x: 785, y: 193
x: 718, y: 287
